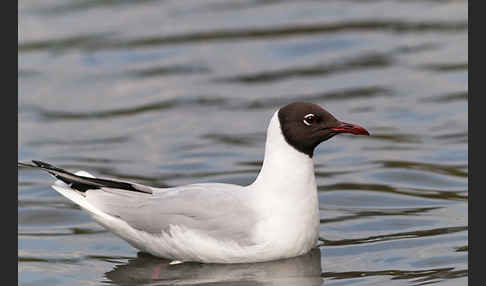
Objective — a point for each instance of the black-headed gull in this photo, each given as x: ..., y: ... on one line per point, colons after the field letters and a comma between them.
x: 275, y: 217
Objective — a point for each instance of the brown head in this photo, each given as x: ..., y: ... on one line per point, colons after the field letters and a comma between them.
x: 305, y: 125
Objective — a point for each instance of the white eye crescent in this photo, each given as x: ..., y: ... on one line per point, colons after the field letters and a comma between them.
x: 309, y: 119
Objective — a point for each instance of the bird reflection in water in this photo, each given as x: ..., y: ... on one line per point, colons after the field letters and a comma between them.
x: 304, y: 270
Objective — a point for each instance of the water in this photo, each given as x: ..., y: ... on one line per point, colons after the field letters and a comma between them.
x: 176, y: 92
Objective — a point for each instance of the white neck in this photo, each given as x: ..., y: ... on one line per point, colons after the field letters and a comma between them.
x: 285, y: 197
x: 284, y: 166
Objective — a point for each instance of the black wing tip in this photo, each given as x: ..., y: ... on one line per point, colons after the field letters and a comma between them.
x: 44, y: 165
x: 67, y: 177
x: 47, y: 166
x: 22, y: 164
x: 40, y: 163
x: 82, y: 183
x: 37, y: 163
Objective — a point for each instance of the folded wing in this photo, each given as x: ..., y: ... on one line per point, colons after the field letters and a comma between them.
x: 215, y: 210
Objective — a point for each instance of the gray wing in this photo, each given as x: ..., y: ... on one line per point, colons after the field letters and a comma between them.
x: 218, y: 210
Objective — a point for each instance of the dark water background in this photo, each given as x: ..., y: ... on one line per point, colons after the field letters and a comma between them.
x: 179, y: 92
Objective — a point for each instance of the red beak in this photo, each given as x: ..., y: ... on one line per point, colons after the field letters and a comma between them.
x: 350, y: 128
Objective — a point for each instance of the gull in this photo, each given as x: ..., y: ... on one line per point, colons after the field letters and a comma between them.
x: 275, y: 217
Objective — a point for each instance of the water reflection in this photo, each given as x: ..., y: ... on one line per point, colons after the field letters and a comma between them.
x: 419, y: 277
x: 149, y: 270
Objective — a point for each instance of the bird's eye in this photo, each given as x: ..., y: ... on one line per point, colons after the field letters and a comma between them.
x: 309, y: 119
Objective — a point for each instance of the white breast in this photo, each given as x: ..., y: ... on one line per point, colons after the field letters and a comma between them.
x: 285, y: 197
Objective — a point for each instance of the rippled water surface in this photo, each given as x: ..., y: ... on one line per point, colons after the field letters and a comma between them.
x: 176, y: 92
